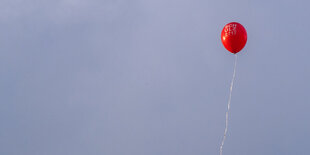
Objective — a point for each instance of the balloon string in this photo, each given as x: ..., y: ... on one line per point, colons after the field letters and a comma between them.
x: 228, y: 106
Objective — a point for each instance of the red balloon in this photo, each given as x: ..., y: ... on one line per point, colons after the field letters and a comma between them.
x: 234, y: 37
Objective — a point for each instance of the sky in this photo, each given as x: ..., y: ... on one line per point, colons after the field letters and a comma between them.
x: 151, y: 77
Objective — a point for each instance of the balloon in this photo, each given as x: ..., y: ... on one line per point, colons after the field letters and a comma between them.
x: 234, y: 37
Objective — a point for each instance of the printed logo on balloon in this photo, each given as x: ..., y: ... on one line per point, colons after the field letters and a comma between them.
x: 230, y: 29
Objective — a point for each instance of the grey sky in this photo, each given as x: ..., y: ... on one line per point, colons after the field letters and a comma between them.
x: 151, y: 77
